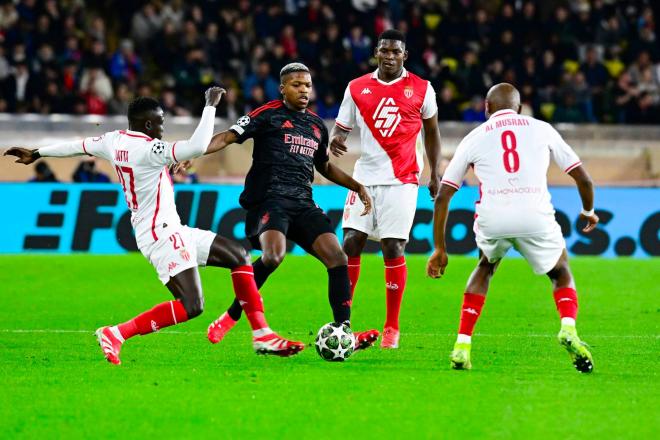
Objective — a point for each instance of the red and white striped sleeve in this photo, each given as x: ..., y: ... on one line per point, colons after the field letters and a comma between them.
x: 346, y: 117
x: 561, y: 152
x: 458, y: 166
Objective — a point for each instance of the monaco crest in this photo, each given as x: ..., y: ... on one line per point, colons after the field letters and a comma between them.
x: 408, y: 92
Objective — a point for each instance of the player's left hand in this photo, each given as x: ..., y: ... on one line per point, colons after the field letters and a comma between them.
x: 435, y: 268
x: 366, y: 200
x: 181, y: 166
x: 592, y: 221
x: 213, y: 95
x: 434, y: 186
x: 24, y: 155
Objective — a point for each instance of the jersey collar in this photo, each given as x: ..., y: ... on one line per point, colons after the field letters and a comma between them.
x: 506, y: 111
x: 404, y: 74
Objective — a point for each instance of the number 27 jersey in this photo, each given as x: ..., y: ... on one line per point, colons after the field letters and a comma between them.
x: 510, y: 154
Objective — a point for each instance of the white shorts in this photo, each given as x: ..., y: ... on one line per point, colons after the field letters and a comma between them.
x: 182, y: 248
x: 392, y: 214
x: 541, y: 251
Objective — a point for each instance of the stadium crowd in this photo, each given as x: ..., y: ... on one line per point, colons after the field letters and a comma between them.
x: 574, y: 61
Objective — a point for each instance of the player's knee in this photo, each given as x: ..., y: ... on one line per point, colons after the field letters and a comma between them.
x: 194, y: 305
x: 272, y: 259
x: 485, y: 268
x: 336, y: 258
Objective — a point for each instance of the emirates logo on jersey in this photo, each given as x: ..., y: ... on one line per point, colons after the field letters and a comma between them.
x: 386, y: 117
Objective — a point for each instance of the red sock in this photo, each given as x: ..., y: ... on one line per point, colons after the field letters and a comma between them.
x: 353, y: 272
x: 472, y: 304
x: 161, y: 316
x: 248, y: 295
x: 566, y: 301
x: 396, y: 274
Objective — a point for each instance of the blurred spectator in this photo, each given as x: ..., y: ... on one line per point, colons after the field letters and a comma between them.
x: 22, y: 87
x: 263, y: 79
x: 118, y: 105
x: 125, y: 64
x: 548, y: 49
x: 328, y: 107
x: 43, y: 173
x: 86, y: 172
x: 170, y: 106
x: 475, y: 111
x: 447, y: 106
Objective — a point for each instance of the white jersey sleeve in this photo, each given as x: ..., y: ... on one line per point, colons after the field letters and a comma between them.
x: 458, y: 165
x: 430, y: 105
x: 166, y: 153
x: 562, y: 154
x: 92, y: 146
x: 346, y: 117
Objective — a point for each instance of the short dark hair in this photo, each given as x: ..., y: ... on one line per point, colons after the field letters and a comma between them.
x: 392, y: 34
x: 141, y: 105
x: 292, y: 68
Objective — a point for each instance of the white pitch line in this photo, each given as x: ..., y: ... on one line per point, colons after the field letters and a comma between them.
x: 486, y: 335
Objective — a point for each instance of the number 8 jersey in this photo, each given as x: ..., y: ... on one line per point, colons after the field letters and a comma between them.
x: 510, y: 154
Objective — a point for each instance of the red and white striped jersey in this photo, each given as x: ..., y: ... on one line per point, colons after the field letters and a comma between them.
x: 510, y: 154
x: 389, y: 115
x: 141, y: 164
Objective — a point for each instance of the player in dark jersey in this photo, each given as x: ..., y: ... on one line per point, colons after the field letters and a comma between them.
x: 289, y: 143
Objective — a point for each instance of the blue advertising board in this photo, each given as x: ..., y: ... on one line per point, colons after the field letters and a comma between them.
x: 66, y: 218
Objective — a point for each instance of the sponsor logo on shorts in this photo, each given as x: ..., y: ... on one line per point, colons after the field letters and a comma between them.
x: 154, y: 326
x: 265, y: 218
x: 347, y: 213
x: 172, y: 266
x: 185, y: 255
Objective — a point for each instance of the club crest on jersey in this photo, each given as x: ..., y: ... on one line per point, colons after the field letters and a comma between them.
x: 243, y: 121
x: 408, y: 92
x: 317, y: 131
x: 158, y: 147
x: 386, y: 117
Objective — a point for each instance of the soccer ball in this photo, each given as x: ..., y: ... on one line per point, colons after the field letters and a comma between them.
x: 335, y: 342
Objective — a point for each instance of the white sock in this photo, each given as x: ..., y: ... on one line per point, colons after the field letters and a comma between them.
x: 568, y: 321
x: 261, y: 332
x: 464, y: 339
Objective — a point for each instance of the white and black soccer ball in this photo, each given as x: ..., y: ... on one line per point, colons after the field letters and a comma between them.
x: 335, y: 342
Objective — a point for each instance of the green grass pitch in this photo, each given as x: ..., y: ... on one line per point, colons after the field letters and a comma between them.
x: 56, y: 384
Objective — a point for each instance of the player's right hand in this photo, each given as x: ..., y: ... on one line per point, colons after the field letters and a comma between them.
x: 213, y: 95
x: 592, y: 221
x: 337, y: 146
x: 365, y: 199
x: 24, y: 155
x: 435, y: 267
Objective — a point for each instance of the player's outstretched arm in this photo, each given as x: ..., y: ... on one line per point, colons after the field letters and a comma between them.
x: 338, y: 141
x: 438, y: 261
x: 338, y: 176
x: 198, y: 143
x: 586, y: 189
x: 221, y: 140
x: 432, y: 147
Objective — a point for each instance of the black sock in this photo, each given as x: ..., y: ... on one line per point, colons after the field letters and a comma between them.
x: 339, y: 293
x: 261, y: 274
